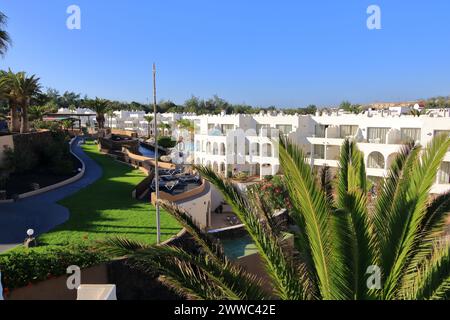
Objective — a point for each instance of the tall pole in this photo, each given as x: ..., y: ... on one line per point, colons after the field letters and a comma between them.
x: 155, y: 111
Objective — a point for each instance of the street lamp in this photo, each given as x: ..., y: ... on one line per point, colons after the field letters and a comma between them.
x: 158, y: 217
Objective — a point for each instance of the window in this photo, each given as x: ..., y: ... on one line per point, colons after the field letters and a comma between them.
x: 319, y: 151
x: 376, y: 161
x: 444, y: 173
x: 410, y: 134
x: 348, y: 131
x: 319, y: 131
x: 377, y: 135
x: 227, y: 127
x: 284, y: 128
x: 439, y: 132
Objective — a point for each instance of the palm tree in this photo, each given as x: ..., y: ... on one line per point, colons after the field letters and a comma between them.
x: 163, y: 127
x: 5, y: 40
x: 5, y: 93
x: 149, y: 120
x: 338, y: 239
x: 100, y: 107
x: 417, y: 112
x: 20, y: 89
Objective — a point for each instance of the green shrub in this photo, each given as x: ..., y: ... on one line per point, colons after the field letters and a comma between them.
x: 22, y: 267
x: 18, y: 162
x: 48, y: 125
x: 167, y: 142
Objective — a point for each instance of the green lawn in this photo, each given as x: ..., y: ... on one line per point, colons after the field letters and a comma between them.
x: 106, y: 209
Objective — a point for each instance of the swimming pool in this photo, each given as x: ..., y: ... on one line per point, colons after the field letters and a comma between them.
x: 146, y: 152
x: 239, y: 247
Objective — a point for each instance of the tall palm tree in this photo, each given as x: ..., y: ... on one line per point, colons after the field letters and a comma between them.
x: 5, y: 93
x: 187, y: 125
x: 20, y: 89
x: 100, y: 107
x: 338, y: 239
x: 149, y: 119
x: 5, y: 40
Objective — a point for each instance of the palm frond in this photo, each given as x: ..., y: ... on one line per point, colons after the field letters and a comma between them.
x: 413, y: 211
x: 432, y: 280
x: 227, y: 281
x: 431, y: 230
x: 287, y: 283
x: 357, y: 235
x: 208, y: 244
x: 121, y: 247
x: 312, y: 215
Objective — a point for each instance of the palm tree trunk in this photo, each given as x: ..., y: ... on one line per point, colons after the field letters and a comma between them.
x: 24, y: 126
x: 15, y: 121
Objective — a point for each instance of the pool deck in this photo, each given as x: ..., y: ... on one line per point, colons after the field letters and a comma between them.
x: 41, y: 212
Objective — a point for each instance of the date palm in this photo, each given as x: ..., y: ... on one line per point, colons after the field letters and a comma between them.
x: 5, y: 40
x: 149, y: 120
x: 163, y: 127
x: 187, y: 125
x: 20, y: 89
x: 100, y: 107
x: 338, y: 239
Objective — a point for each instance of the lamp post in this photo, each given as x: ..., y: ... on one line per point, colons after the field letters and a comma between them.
x: 158, y: 217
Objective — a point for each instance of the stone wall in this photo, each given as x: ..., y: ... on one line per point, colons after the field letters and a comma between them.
x: 5, y: 142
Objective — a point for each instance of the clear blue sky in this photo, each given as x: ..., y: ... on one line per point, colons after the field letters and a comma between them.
x: 284, y: 53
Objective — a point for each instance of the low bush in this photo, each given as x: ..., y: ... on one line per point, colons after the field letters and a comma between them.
x: 166, y: 142
x: 22, y: 267
x: 45, y: 150
x: 18, y: 162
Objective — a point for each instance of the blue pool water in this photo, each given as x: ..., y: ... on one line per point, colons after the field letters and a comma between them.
x: 146, y: 152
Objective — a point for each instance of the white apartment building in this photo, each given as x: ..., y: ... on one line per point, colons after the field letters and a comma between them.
x: 380, y: 136
x: 130, y: 120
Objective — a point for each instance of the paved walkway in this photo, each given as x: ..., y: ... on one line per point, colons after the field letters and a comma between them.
x: 41, y: 212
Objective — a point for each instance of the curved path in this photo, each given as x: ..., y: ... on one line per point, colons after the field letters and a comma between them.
x: 41, y: 212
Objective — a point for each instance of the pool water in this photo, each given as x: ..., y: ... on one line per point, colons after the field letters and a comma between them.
x: 238, y: 248
x: 146, y: 152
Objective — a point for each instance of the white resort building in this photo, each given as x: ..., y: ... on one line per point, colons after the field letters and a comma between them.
x: 380, y: 135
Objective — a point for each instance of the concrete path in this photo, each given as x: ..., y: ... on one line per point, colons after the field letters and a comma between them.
x: 41, y: 212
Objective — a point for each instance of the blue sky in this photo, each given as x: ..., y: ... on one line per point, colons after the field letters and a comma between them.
x: 283, y: 53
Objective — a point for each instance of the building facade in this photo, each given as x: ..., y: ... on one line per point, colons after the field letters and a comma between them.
x: 380, y: 136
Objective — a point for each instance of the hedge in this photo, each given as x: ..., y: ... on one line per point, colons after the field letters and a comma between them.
x: 22, y: 267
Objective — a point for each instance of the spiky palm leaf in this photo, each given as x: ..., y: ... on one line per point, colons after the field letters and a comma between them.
x: 411, y: 208
x: 432, y: 280
x: 313, y: 215
x: 337, y: 241
x: 355, y: 226
x: 288, y: 284
x: 5, y: 40
x: 226, y: 280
